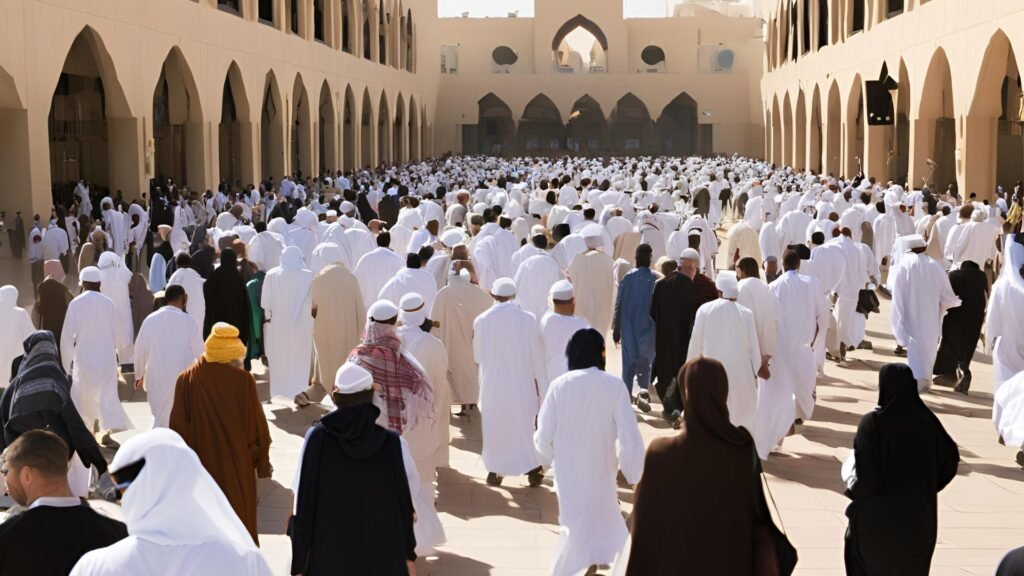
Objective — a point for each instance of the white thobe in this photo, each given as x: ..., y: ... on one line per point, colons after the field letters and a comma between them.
x: 854, y: 279
x: 116, y: 226
x: 976, y: 242
x: 725, y: 331
x: 374, y: 270
x: 742, y: 241
x: 557, y: 330
x: 360, y: 243
x: 921, y: 294
x: 567, y: 250
x: 168, y: 344
x: 523, y: 254
x: 755, y: 296
x: 1004, y: 329
x: 592, y: 273
x: 408, y: 281
x: 55, y: 242
x: 192, y: 282
x: 770, y: 242
x: 88, y: 350
x: 288, y: 305
x: 534, y: 280
x: 585, y: 417
x: 507, y: 346
x: 114, y: 285
x: 140, y: 557
x: 15, y: 328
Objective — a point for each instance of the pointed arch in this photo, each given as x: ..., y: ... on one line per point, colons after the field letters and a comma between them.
x: 348, y: 130
x: 301, y: 131
x: 833, y: 130
x: 815, y: 147
x: 540, y: 127
x: 631, y: 127
x: 367, y: 131
x: 586, y: 131
x: 579, y: 21
x: 495, y: 130
x: 178, y: 124
x: 936, y: 123
x: 384, y: 121
x: 327, y: 136
x: 856, y: 126
x: 398, y: 138
x: 234, y: 135
x: 787, y: 131
x: 272, y: 132
x: 800, y: 133
x: 776, y: 132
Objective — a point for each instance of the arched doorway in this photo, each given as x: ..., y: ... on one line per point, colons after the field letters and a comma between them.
x: 301, y: 132
x: 495, y: 130
x: 348, y: 131
x: 787, y: 131
x: 327, y: 139
x: 178, y: 124
x: 834, y: 131
x: 398, y: 132
x: 994, y: 150
x: 272, y: 130
x: 815, y: 164
x: 632, y: 131
x: 86, y: 109
x: 800, y: 159
x: 677, y: 127
x: 587, y: 131
x: 414, y: 131
x: 776, y: 132
x: 855, y: 127
x: 383, y: 131
x: 540, y: 129
x: 367, y: 132
x: 14, y: 161
x: 235, y: 130
x: 901, y: 147
x: 934, y: 154
x: 579, y: 47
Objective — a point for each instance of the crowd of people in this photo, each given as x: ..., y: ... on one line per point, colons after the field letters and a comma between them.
x: 396, y: 295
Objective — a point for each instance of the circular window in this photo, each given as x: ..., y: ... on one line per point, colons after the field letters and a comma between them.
x: 504, y: 56
x: 652, y: 55
x: 725, y: 59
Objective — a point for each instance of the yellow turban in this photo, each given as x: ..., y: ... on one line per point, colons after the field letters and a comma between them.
x: 223, y: 345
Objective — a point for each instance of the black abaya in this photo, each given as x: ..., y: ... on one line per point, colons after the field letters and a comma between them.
x: 226, y: 297
x: 961, y: 326
x: 673, y: 311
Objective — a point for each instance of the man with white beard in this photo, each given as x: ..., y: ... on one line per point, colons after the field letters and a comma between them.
x: 507, y: 346
x: 921, y: 294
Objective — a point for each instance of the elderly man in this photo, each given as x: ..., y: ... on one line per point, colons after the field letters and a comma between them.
x: 507, y: 346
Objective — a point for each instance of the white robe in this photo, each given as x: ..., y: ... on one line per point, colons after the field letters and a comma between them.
x: 408, y: 281
x: 725, y: 331
x: 15, y: 328
x: 976, y: 242
x: 288, y: 304
x: 88, y: 350
x: 592, y: 273
x: 758, y: 298
x: 588, y: 430
x: 743, y: 239
x: 374, y: 270
x: 507, y: 346
x: 114, y: 279
x: 1004, y: 325
x: 168, y: 344
x: 534, y: 280
x: 557, y: 329
x: 921, y: 294
x: 1008, y: 411
x: 192, y: 282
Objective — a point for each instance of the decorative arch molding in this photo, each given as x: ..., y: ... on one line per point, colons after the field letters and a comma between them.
x: 579, y: 21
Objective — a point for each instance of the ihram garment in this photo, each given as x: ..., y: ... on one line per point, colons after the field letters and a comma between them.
x: 168, y: 344
x: 457, y: 306
x: 287, y: 303
x: 533, y: 280
x: 557, y: 329
x: 921, y: 294
x: 374, y: 270
x: 114, y: 285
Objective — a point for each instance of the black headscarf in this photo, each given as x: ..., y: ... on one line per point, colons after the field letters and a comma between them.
x: 585, y: 350
x: 706, y: 389
x: 226, y: 297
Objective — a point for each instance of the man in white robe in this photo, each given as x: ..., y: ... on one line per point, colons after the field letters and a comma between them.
x: 116, y: 224
x: 192, y: 282
x: 457, y: 307
x: 168, y: 343
x: 557, y: 326
x: 15, y: 328
x: 1004, y: 324
x: 725, y: 331
x: 585, y: 417
x: 288, y: 308
x: 854, y: 279
x: 593, y: 272
x: 976, y: 241
x: 507, y: 346
x: 377, y: 267
x: 114, y: 279
x: 534, y: 280
x: 408, y: 280
x: 742, y: 242
x: 921, y: 294
x: 88, y: 350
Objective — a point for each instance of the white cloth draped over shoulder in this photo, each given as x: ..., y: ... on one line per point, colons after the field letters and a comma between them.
x: 287, y: 303
x: 533, y: 280
x: 557, y: 330
x: 374, y: 270
x: 192, y: 282
x: 921, y: 294
x: 15, y: 328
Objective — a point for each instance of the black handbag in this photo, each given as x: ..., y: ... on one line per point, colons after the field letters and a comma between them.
x: 867, y: 302
x: 774, y: 555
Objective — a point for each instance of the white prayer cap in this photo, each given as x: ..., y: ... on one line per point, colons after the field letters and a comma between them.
x: 504, y: 288
x: 452, y: 238
x: 413, y: 313
x: 562, y: 291
x: 410, y: 302
x: 913, y: 241
x: 332, y: 213
x: 694, y: 232
x: 479, y: 207
x: 352, y: 378
x: 727, y: 284
x: 978, y: 216
x: 89, y: 274
x: 382, y: 311
x: 690, y: 254
x: 537, y: 230
x: 347, y: 207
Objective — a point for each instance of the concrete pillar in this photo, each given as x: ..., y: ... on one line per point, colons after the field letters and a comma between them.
x: 876, y: 151
x: 976, y: 156
x: 36, y: 162
x: 922, y: 136
x: 18, y: 193
x: 126, y: 151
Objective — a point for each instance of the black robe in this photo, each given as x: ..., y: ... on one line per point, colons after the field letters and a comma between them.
x: 70, y: 532
x: 904, y: 457
x: 354, y: 512
x: 388, y: 209
x: 961, y: 327
x: 226, y: 298
x: 673, y: 311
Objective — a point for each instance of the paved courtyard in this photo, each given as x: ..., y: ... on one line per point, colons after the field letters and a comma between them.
x: 512, y: 530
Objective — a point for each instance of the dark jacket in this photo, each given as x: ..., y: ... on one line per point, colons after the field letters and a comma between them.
x: 49, y: 540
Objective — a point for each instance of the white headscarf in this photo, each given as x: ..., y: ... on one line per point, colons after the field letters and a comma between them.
x: 291, y: 259
x: 265, y: 251
x: 325, y: 254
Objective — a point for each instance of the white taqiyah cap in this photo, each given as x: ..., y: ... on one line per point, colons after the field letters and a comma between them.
x: 504, y: 288
x: 382, y: 311
x: 332, y: 213
x: 452, y: 238
x: 352, y: 378
x: 914, y: 241
x: 727, y: 284
x: 411, y: 301
x: 347, y: 207
x: 537, y: 230
x: 562, y: 290
x: 690, y: 254
x: 694, y: 232
x: 89, y: 274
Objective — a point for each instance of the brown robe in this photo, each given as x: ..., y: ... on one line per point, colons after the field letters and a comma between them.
x: 695, y: 505
x: 142, y: 300
x: 218, y: 413
x: 52, y: 299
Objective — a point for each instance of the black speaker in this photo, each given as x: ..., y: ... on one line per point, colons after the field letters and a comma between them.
x: 879, y: 101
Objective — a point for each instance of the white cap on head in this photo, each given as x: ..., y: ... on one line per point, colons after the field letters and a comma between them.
x: 352, y: 378
x: 504, y: 288
x: 89, y: 274
x: 332, y: 213
x: 978, y: 216
x: 537, y: 230
x: 382, y: 311
x: 727, y: 284
x: 694, y: 232
x: 347, y: 207
x: 452, y: 238
x: 690, y: 254
x: 411, y: 301
x: 913, y: 241
x: 562, y: 290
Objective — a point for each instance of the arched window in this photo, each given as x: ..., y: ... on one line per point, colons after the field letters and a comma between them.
x: 579, y: 46
x: 822, y: 23
x: 653, y: 58
x: 504, y: 58
x: 318, y: 20
x: 293, y: 16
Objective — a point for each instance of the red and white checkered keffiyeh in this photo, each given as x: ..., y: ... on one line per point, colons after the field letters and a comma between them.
x: 408, y: 396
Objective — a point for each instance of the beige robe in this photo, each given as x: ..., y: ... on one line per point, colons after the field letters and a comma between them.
x: 340, y: 318
x: 592, y: 274
x: 743, y: 239
x: 456, y: 308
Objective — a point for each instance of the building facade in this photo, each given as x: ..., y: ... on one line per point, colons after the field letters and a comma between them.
x: 119, y: 92
x: 913, y: 91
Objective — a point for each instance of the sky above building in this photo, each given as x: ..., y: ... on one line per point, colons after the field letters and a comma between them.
x: 495, y: 8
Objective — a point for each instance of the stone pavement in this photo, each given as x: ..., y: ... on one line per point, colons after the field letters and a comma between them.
x: 512, y: 530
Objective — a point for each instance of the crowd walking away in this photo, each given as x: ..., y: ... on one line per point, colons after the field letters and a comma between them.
x: 568, y: 309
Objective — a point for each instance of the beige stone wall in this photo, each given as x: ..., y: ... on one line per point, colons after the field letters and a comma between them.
x: 200, y: 45
x: 949, y: 59
x: 727, y: 101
